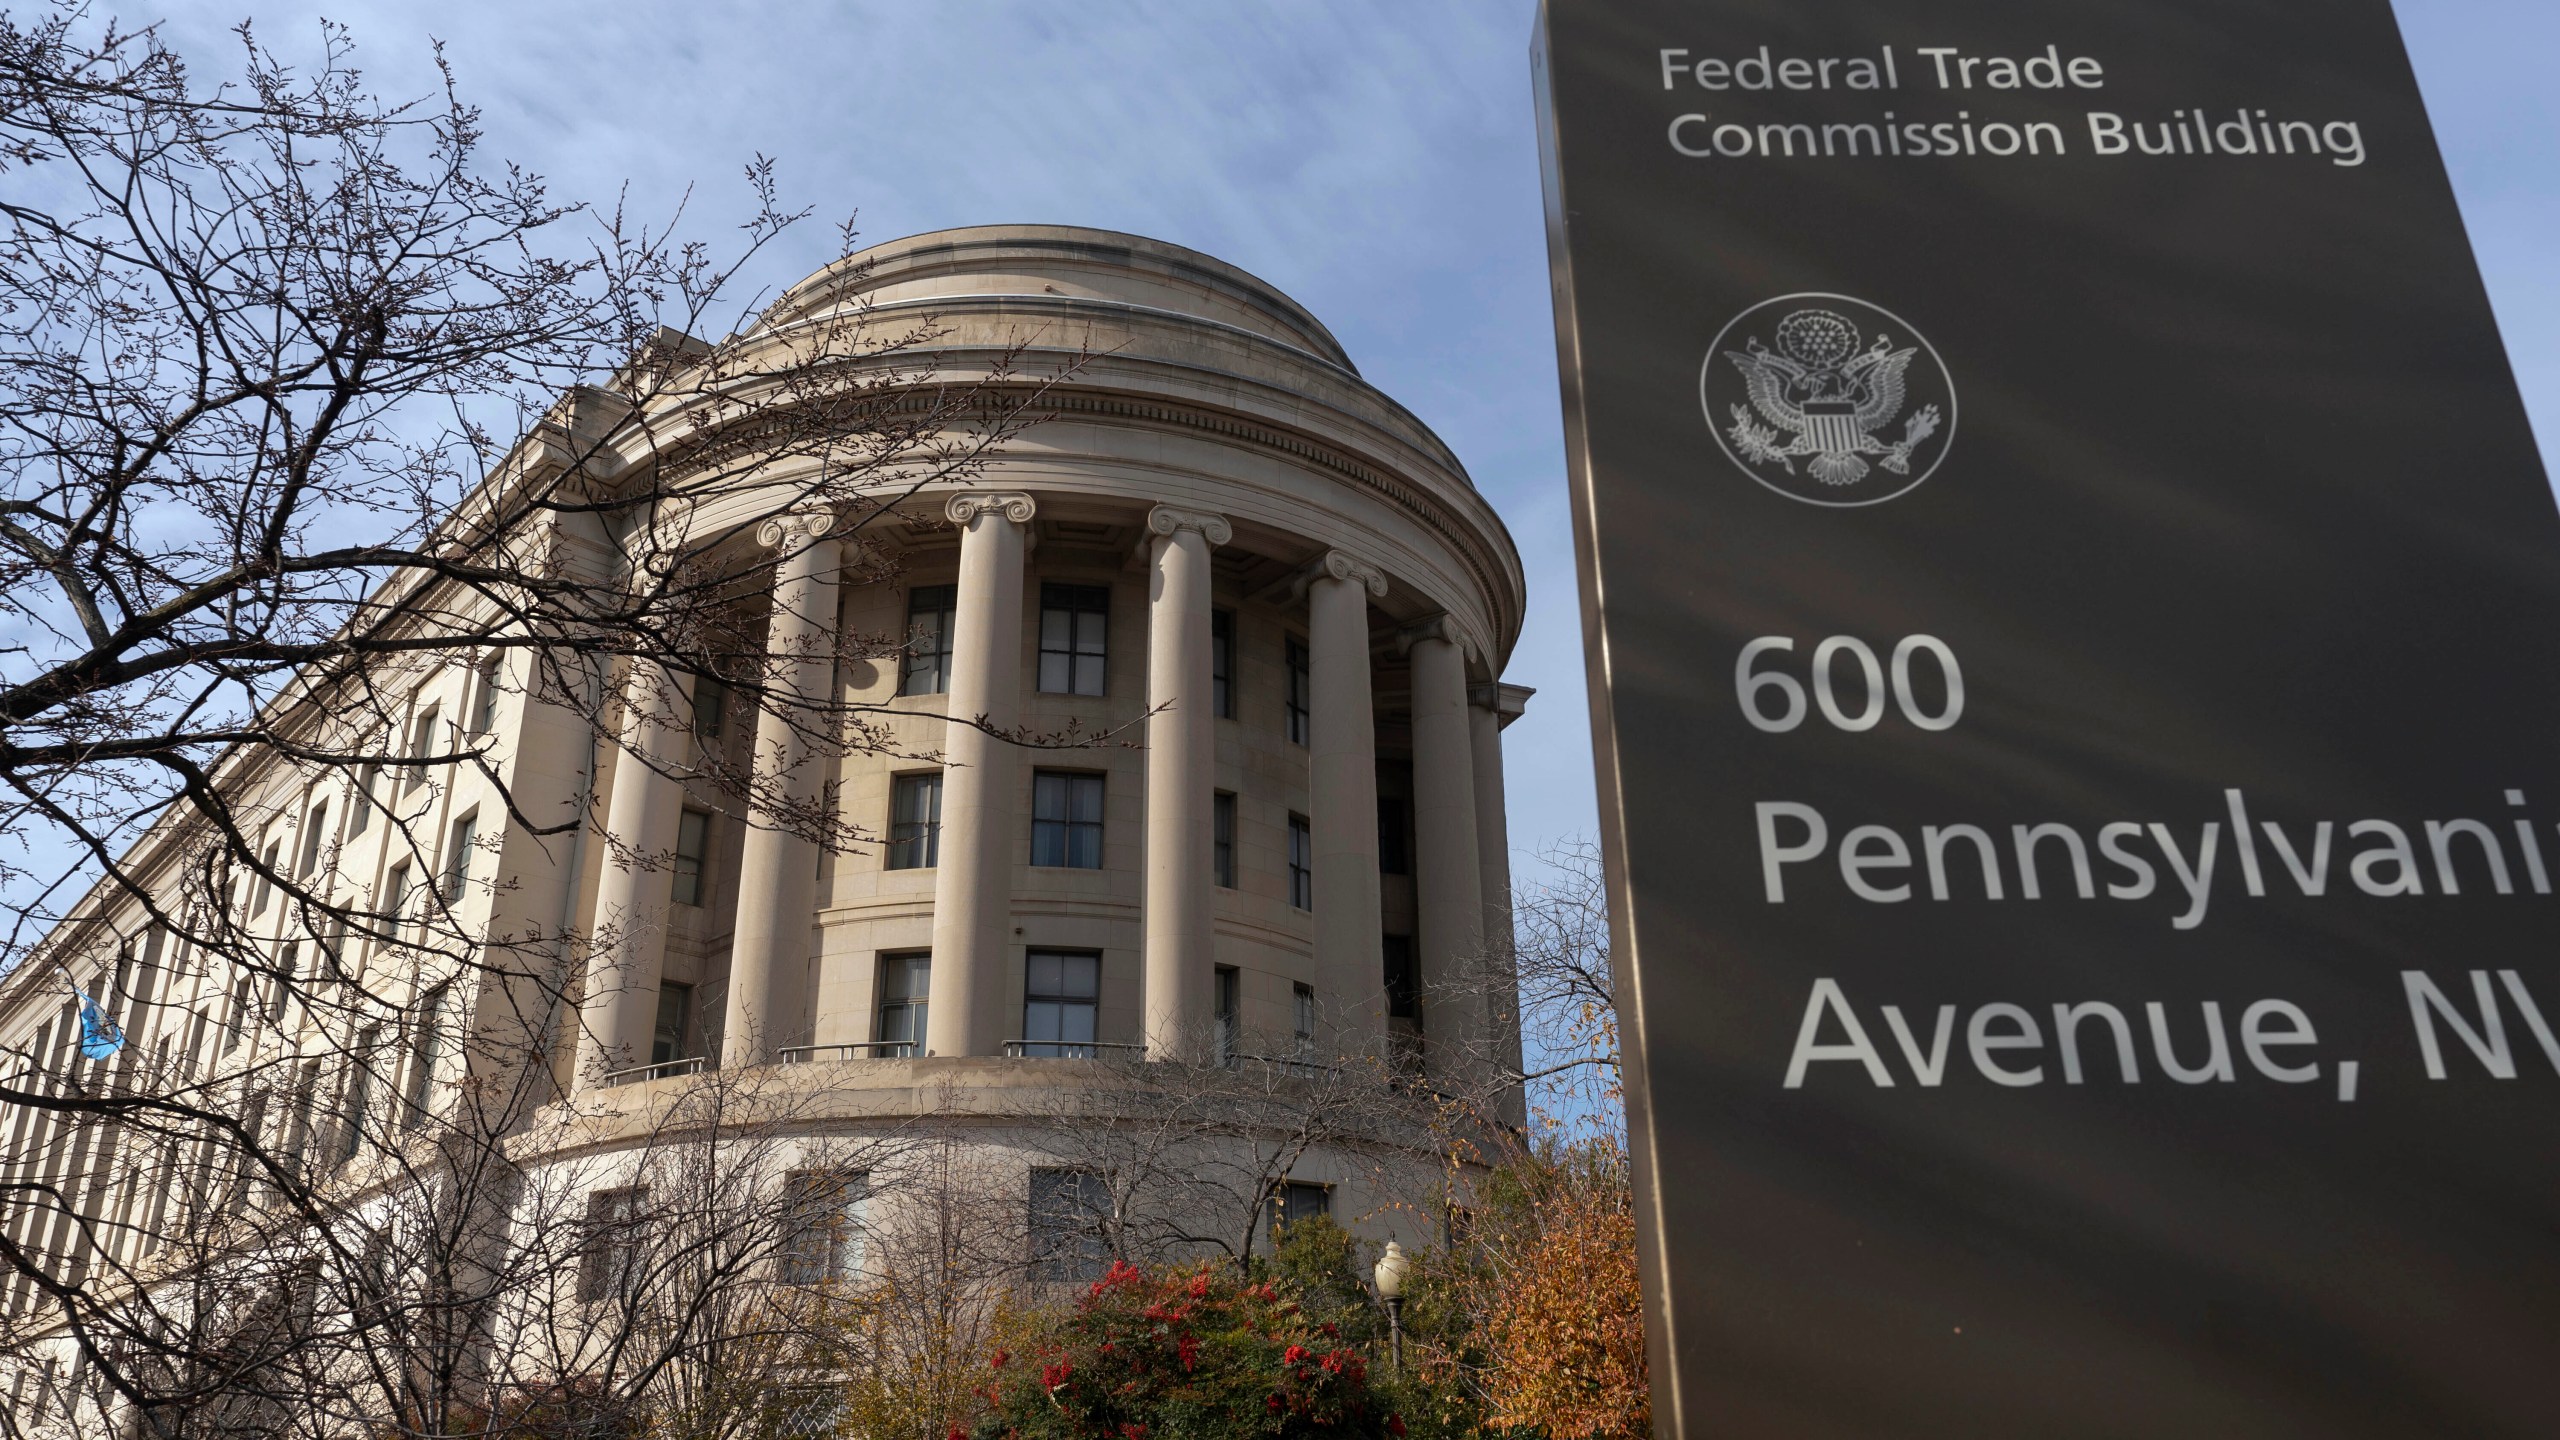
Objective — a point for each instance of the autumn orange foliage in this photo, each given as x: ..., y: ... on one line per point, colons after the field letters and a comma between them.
x: 1563, y: 1332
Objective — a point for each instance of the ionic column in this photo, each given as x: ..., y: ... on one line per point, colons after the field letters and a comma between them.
x: 777, y: 868
x: 1448, y: 879
x: 982, y: 778
x: 1342, y: 802
x: 1490, y: 708
x: 1182, y: 742
x: 619, y: 1008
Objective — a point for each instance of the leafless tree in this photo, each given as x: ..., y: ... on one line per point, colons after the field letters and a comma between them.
x: 1175, y: 1159
x: 303, y: 403
x: 686, y: 1274
x: 1566, y: 992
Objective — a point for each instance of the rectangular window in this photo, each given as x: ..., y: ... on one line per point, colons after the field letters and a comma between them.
x: 1303, y: 1008
x: 693, y: 846
x: 1227, y: 1000
x: 1222, y: 840
x: 710, y: 709
x: 288, y: 961
x: 457, y: 859
x: 360, y: 803
x: 822, y: 1225
x: 915, y: 821
x: 1066, y: 820
x: 1222, y: 663
x: 235, y: 1014
x: 675, y: 1020
x: 266, y: 886
x: 315, y: 832
x: 1296, y: 1200
x: 1404, y: 989
x: 906, y: 985
x: 1395, y: 818
x: 1302, y: 864
x: 1060, y: 991
x: 484, y: 705
x: 606, y: 1260
x: 1070, y: 1224
x: 395, y: 897
x: 1073, y: 619
x: 355, y: 1102
x: 1300, y: 691
x: 423, y: 740
x: 928, y: 664
x: 428, y: 1057
x: 297, y: 1148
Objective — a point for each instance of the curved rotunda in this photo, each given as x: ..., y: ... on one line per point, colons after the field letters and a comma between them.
x: 1219, y: 543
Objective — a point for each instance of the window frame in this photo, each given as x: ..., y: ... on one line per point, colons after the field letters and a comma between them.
x: 1222, y: 663
x: 1302, y: 863
x: 938, y: 669
x: 460, y: 839
x: 263, y: 891
x: 426, y: 1057
x: 1065, y: 1005
x: 422, y: 741
x: 1078, y: 603
x: 1298, y: 697
x: 1399, y: 977
x: 611, y: 1243
x: 1226, y: 1011
x: 710, y: 704
x: 355, y: 1097
x: 813, y: 1201
x: 1222, y: 839
x: 914, y: 1011
x: 315, y: 830
x: 1069, y: 1241
x: 914, y: 843
x: 691, y: 865
x: 484, y: 695
x: 1065, y: 829
x: 1290, y: 1203
x: 660, y: 1036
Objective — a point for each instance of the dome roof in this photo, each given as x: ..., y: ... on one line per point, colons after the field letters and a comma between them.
x: 1068, y: 262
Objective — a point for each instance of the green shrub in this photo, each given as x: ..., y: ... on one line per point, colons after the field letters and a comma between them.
x: 1185, y: 1354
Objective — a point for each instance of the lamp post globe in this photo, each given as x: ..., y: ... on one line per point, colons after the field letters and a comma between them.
x: 1389, y: 1274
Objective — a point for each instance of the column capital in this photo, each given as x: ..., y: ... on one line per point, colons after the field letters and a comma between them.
x: 1507, y: 702
x: 796, y: 527
x: 1335, y: 565
x: 659, y: 544
x: 966, y: 507
x: 1167, y: 520
x: 1343, y: 565
x: 1434, y: 627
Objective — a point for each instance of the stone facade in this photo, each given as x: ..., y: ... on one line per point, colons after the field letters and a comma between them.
x: 1222, y: 547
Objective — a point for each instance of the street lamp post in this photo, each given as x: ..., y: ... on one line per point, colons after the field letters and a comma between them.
x: 1389, y: 1274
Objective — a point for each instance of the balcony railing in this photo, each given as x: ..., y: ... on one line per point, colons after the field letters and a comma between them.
x: 1067, y: 1049
x: 850, y: 1050
x: 1300, y: 1067
x: 690, y: 1065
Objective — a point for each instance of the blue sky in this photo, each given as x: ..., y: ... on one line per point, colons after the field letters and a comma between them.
x: 1375, y: 160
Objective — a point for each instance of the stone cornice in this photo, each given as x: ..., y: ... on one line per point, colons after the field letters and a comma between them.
x: 1473, y: 546
x: 1507, y: 702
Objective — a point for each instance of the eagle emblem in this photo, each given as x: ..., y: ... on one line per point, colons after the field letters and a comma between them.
x: 1846, y: 401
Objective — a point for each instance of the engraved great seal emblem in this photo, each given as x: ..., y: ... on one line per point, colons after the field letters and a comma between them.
x: 1828, y: 399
